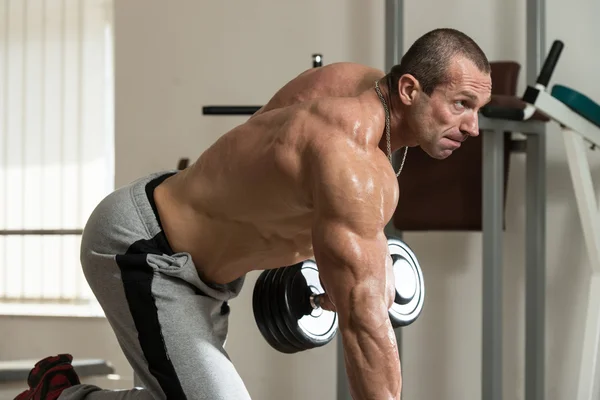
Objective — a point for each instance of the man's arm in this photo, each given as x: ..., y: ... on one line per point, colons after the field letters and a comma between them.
x: 351, y: 208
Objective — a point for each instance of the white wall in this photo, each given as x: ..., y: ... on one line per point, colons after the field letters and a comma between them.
x: 172, y: 60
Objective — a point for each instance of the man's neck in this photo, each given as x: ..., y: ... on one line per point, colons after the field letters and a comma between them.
x: 395, y: 118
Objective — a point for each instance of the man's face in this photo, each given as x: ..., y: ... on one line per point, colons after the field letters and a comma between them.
x: 442, y: 121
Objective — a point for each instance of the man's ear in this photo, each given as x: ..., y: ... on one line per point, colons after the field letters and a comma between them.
x: 408, y: 86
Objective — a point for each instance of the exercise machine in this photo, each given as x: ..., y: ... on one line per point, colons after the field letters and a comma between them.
x: 579, y: 119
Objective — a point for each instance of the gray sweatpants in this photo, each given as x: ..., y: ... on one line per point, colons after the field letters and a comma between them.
x: 171, y: 325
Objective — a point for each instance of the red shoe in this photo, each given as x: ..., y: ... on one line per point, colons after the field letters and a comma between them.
x: 49, y: 377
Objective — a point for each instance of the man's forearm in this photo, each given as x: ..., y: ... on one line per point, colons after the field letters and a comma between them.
x: 371, y: 358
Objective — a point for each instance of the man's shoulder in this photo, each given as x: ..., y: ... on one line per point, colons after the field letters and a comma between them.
x: 340, y: 113
x: 331, y: 127
x: 351, y: 68
x: 349, y: 119
x: 341, y: 129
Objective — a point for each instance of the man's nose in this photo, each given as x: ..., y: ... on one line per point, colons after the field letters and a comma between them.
x: 470, y: 125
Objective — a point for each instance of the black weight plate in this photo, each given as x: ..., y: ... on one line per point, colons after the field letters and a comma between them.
x: 259, y: 312
x: 277, y: 290
x: 300, y: 307
x: 314, y: 327
x: 269, y: 296
x: 410, y: 285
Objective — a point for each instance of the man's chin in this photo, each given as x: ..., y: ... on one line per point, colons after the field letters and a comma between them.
x: 443, y: 154
x: 439, y: 154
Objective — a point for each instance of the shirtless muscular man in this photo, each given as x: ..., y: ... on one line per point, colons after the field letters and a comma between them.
x: 309, y: 175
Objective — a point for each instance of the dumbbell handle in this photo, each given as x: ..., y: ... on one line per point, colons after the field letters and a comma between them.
x: 315, y: 300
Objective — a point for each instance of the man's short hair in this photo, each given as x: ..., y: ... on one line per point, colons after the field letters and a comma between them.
x: 430, y: 55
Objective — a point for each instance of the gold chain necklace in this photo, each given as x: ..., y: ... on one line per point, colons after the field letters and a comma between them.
x: 388, y: 131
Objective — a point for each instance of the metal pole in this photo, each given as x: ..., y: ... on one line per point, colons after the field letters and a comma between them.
x: 535, y: 236
x: 493, y: 204
x: 394, y: 35
x: 535, y: 274
x: 394, y: 49
x: 343, y: 388
x: 536, y: 38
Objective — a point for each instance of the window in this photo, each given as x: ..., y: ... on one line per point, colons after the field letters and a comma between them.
x: 56, y: 146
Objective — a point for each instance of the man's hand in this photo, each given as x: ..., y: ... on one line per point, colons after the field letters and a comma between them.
x: 325, y: 303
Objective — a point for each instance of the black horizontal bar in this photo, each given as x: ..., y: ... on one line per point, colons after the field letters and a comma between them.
x: 230, y: 110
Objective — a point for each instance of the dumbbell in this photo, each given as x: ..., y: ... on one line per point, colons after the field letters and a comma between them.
x: 286, y: 301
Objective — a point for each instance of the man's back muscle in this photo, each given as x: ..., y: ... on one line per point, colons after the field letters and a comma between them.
x: 250, y: 187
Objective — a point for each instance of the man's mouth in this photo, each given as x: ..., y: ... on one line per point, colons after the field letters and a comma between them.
x: 457, y: 138
x: 451, y: 143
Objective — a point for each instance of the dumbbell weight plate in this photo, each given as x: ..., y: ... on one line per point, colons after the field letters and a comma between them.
x: 263, y: 314
x: 269, y: 298
x: 312, y: 327
x: 277, y: 304
x: 410, y: 286
x: 259, y: 312
x: 297, y: 308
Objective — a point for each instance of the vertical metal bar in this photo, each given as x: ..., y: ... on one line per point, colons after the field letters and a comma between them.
x: 394, y: 34
x: 536, y: 38
x: 394, y: 49
x: 5, y: 139
x: 24, y: 116
x: 493, y: 196
x: 343, y: 388
x: 535, y: 239
x: 535, y: 261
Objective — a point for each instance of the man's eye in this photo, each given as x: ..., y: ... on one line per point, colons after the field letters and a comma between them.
x: 462, y: 104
